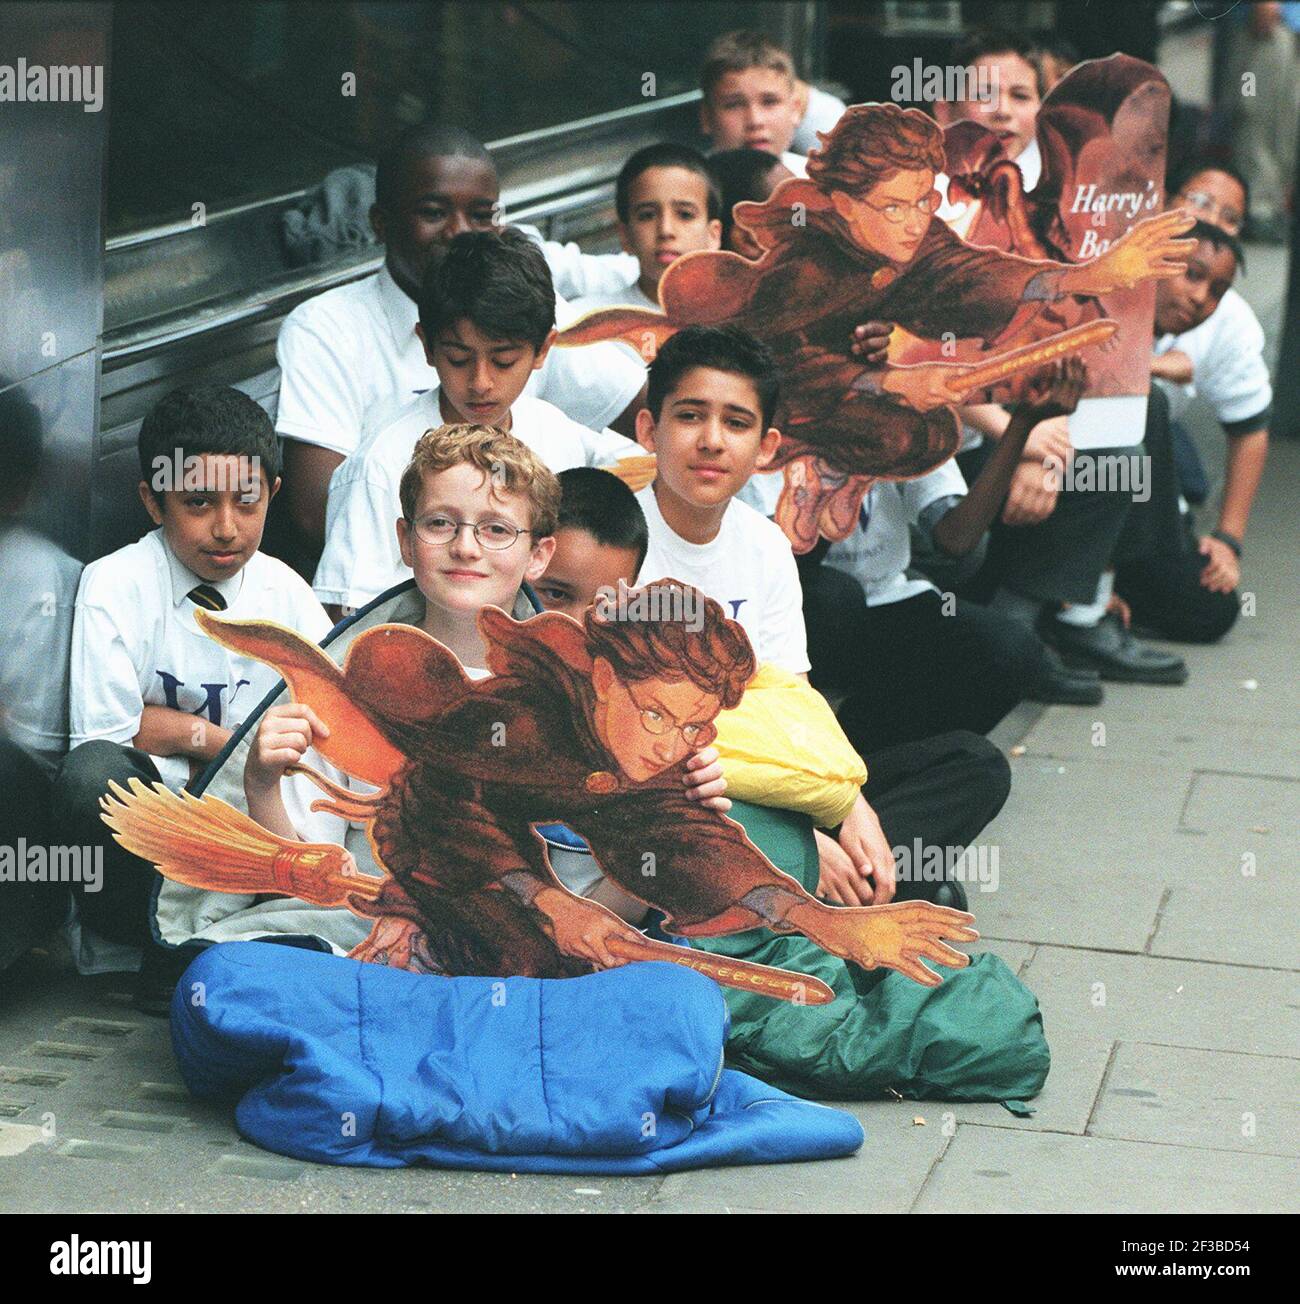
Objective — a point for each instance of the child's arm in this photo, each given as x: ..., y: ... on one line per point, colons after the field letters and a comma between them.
x: 283, y: 737
x: 1050, y: 393
x: 165, y: 731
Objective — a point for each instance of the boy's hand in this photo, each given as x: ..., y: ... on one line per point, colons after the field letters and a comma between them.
x: 705, y: 782
x: 283, y: 737
x: 838, y: 879
x: 1030, y: 498
x: 864, y: 841
x: 1050, y: 438
x: 871, y: 341
x: 1173, y: 365
x: 1054, y: 391
x: 1221, y: 572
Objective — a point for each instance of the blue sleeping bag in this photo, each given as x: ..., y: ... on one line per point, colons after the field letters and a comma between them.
x: 343, y: 1062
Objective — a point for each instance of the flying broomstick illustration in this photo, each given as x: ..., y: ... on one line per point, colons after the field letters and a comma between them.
x: 859, y: 240
x: 583, y: 725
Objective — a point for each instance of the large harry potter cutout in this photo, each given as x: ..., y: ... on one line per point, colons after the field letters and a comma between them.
x: 859, y: 241
x: 583, y: 725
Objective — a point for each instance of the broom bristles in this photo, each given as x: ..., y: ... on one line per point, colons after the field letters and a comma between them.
x: 203, y: 842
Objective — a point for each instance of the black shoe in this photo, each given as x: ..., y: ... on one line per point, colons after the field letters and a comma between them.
x: 1058, y: 683
x: 160, y: 971
x: 1114, y: 653
x: 951, y: 894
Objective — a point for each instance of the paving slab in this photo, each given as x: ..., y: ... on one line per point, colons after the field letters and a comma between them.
x: 885, y: 1176
x: 1066, y: 1101
x: 1248, y: 920
x: 996, y: 1170
x: 1201, y: 1098
x: 1095, y: 995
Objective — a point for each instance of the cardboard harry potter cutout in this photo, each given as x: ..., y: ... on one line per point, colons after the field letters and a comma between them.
x: 861, y: 240
x: 586, y: 725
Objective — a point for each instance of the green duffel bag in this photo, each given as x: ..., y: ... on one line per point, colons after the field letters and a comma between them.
x: 977, y: 1036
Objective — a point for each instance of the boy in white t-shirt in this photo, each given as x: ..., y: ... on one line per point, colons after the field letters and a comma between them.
x: 711, y: 397
x: 477, y: 526
x: 751, y: 98
x: 487, y: 322
x: 1210, y: 346
x: 151, y: 696
x: 667, y: 206
x: 346, y: 350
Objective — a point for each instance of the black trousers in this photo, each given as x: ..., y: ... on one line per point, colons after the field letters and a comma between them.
x: 940, y: 792
x: 1157, y: 566
x: 907, y: 669
x: 119, y: 911
x: 27, y: 910
x: 1062, y: 558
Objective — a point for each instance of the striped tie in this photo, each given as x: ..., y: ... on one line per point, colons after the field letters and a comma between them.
x: 208, y: 597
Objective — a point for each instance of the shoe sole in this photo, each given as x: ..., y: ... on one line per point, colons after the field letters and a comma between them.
x: 1119, y: 675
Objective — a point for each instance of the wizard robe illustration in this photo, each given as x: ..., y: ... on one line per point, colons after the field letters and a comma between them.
x: 860, y: 240
x: 588, y: 726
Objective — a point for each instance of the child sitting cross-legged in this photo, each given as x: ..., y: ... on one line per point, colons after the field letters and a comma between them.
x: 477, y: 527
x: 711, y: 398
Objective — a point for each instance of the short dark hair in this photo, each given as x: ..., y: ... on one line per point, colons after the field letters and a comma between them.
x: 739, y: 174
x: 597, y: 501
x: 720, y: 348
x: 1179, y: 176
x: 497, y: 279
x: 664, y: 155
x: 424, y: 140
x: 984, y: 41
x: 199, y: 419
x: 1219, y: 238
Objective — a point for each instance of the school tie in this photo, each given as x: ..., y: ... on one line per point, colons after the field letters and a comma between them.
x: 207, y: 596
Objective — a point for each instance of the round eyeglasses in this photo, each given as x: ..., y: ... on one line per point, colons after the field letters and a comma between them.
x: 655, y: 722
x: 896, y: 212
x: 495, y: 536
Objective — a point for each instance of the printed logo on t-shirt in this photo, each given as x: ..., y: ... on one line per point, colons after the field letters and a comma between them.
x: 735, y: 604
x: 212, y: 706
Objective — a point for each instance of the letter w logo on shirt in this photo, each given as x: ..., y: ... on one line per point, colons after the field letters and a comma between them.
x: 211, y: 707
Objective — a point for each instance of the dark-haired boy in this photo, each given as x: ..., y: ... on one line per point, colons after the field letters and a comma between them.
x: 353, y: 347
x: 151, y: 696
x: 601, y: 539
x: 1208, y: 345
x: 487, y: 321
x: 711, y: 398
x: 667, y: 206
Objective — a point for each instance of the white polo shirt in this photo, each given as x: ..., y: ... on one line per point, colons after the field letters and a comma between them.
x: 135, y: 643
x: 625, y: 296
x: 576, y: 274
x: 879, y: 551
x: 1228, y: 369
x: 361, y: 557
x: 353, y: 347
x: 747, y: 567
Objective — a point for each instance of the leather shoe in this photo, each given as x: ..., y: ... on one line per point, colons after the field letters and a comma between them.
x: 1112, y: 651
x: 1058, y: 683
